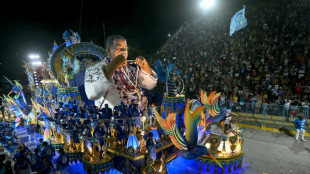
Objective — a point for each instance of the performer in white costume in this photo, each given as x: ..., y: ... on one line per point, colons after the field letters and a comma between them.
x: 112, y: 80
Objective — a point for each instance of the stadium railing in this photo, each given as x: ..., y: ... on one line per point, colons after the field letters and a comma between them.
x: 269, y: 115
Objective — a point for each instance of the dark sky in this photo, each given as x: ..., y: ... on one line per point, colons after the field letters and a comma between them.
x: 31, y: 27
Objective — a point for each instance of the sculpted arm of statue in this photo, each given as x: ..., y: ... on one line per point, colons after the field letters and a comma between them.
x: 142, y: 62
x: 110, y: 68
x: 98, y: 77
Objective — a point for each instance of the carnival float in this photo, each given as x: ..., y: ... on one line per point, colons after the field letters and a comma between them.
x: 179, y: 128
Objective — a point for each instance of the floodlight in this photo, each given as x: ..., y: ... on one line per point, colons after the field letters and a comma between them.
x: 34, y: 56
x: 205, y: 4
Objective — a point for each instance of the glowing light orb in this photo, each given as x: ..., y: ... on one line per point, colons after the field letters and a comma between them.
x: 205, y: 4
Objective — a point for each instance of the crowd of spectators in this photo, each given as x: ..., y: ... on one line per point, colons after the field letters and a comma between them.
x: 267, y: 61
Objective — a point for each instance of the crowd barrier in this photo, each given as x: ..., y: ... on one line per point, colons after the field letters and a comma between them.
x: 268, y: 115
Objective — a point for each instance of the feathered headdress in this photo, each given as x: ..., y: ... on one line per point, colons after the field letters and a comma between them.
x: 75, y: 34
x: 66, y: 35
x: 163, y: 75
x: 55, y: 46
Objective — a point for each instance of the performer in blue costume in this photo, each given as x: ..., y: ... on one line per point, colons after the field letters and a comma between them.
x: 47, y: 166
x: 121, y: 133
x: 95, y: 116
x: 75, y: 134
x: 77, y: 120
x: 136, y: 113
x: 150, y: 146
x: 80, y: 113
x: 31, y: 132
x: 62, y: 161
x: 99, y: 134
x: 116, y: 113
x: 87, y: 122
x: 22, y: 165
x: 39, y: 145
x: 87, y: 136
x: 87, y: 114
x: 47, y: 151
x: 106, y: 112
x: 126, y: 115
x: 35, y: 161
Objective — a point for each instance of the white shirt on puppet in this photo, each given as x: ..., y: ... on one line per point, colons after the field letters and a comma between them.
x: 97, y: 86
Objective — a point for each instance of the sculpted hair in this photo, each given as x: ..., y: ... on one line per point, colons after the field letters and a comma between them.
x: 112, y: 39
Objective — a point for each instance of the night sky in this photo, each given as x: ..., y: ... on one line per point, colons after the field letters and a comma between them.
x: 31, y: 27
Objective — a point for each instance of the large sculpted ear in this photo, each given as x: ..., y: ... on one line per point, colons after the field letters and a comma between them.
x: 109, y: 50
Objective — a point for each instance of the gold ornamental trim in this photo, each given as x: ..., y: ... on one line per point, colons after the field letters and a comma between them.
x: 207, y: 158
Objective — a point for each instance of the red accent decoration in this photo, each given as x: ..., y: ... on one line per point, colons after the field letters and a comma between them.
x: 103, y: 99
x: 121, y: 84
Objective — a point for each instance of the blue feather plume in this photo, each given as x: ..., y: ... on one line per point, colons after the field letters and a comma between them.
x: 78, y: 37
x: 68, y: 43
x: 76, y: 66
x: 161, y: 73
x: 177, y: 71
x: 65, y: 35
x: 170, y: 66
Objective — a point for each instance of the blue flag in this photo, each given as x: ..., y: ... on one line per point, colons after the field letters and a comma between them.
x: 238, y: 21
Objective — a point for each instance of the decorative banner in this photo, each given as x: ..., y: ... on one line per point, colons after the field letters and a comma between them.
x: 238, y: 21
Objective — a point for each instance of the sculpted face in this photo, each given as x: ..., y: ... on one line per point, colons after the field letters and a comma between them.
x: 120, y: 48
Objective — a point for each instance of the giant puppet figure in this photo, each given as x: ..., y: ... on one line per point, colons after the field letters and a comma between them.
x: 112, y: 80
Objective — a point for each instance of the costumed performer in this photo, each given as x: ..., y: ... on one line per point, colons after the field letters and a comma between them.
x: 150, y: 145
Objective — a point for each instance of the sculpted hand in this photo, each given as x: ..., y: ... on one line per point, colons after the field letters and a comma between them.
x: 120, y: 60
x: 117, y: 62
x: 141, y: 61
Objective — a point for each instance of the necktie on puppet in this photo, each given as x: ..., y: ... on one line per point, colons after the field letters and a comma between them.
x: 238, y: 21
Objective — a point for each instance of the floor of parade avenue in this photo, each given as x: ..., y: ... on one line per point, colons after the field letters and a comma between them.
x: 274, y: 152
x: 265, y: 152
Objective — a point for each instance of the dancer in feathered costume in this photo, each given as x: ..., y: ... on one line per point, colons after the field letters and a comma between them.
x: 71, y: 37
x: 19, y: 96
x: 188, y: 145
x: 45, y: 113
x: 167, y: 76
x: 13, y: 105
x: 17, y: 102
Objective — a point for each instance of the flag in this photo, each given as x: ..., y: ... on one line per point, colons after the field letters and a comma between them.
x: 238, y: 21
